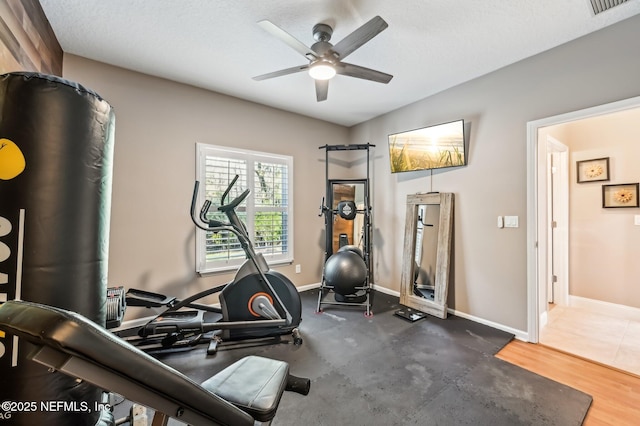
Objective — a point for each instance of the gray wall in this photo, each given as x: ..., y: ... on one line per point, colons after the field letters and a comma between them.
x: 490, y: 275
x: 158, y: 123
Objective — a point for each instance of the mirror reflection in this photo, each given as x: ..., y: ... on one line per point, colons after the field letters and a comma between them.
x: 427, y: 228
x: 348, y: 231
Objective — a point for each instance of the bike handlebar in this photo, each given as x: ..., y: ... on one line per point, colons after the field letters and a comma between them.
x: 201, y: 221
x: 204, y: 210
x: 233, y: 204
x: 226, y: 192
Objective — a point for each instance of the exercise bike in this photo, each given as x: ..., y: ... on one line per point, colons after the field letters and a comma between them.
x: 258, y: 306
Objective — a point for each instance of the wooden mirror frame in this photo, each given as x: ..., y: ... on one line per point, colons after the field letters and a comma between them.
x: 438, y: 306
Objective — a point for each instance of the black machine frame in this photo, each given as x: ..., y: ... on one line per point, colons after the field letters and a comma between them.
x: 273, y: 309
x: 327, y: 209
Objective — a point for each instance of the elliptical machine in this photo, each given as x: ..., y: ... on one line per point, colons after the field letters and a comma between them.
x: 258, y: 304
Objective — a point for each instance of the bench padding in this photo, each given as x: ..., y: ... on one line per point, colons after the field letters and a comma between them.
x: 75, y: 337
x: 254, y: 384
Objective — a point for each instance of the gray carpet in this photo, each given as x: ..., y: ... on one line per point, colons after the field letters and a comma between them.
x: 384, y: 370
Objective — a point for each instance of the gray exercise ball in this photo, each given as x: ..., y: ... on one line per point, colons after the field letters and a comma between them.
x: 344, y: 271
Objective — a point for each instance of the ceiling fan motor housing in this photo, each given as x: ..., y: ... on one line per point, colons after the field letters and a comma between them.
x: 322, y: 32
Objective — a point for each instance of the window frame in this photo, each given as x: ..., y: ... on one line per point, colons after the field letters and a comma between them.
x: 251, y: 157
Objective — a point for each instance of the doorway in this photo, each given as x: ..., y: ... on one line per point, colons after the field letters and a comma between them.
x: 539, y: 237
x: 554, y: 283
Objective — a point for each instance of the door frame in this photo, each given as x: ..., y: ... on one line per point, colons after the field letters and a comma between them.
x: 557, y: 203
x: 534, y: 254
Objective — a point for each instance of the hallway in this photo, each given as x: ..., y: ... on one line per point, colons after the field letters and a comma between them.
x: 604, y: 339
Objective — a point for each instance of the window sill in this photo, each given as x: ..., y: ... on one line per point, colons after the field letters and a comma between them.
x: 231, y: 268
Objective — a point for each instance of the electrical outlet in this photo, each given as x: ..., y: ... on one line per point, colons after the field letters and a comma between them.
x: 298, y: 269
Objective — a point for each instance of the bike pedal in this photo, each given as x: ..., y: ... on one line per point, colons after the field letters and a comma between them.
x: 213, y: 346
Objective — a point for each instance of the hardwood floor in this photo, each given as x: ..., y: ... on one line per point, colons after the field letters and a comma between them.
x: 616, y: 395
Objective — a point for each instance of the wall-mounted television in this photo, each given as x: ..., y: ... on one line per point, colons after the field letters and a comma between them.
x: 428, y: 148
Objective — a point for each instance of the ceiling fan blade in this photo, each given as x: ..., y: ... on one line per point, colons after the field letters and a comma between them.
x: 287, y: 38
x: 322, y: 90
x: 286, y: 71
x: 357, y: 71
x: 359, y: 37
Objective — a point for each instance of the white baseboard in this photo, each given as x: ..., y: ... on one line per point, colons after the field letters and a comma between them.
x: 544, y: 319
x: 519, y: 334
x: 605, y: 308
x: 308, y: 287
x: 387, y: 291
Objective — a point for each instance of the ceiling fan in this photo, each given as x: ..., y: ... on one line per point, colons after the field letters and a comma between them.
x: 326, y: 59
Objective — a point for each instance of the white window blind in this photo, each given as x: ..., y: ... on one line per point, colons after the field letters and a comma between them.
x: 267, y: 211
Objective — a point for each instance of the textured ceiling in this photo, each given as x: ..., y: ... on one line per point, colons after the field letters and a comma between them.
x: 428, y: 47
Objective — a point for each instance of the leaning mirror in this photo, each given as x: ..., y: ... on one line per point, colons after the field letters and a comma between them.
x: 425, y: 268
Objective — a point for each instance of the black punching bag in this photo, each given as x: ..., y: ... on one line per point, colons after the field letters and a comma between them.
x: 56, y: 150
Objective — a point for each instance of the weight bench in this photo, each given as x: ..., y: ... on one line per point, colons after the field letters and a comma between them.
x: 246, y: 393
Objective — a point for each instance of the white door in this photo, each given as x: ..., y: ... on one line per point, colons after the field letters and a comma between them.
x: 557, y: 277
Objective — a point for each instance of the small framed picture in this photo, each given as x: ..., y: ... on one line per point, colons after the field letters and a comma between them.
x: 593, y: 170
x: 623, y: 195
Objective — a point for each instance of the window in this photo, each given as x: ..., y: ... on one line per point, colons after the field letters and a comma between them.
x: 267, y: 212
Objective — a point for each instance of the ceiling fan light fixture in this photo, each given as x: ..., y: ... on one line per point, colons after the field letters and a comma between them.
x: 322, y: 71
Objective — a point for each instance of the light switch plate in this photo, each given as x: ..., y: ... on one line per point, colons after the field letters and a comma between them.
x: 511, y: 221
x: 636, y: 219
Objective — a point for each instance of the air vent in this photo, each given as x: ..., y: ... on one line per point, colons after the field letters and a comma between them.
x: 600, y: 6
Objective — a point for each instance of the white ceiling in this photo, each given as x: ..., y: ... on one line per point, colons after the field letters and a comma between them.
x: 429, y: 46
